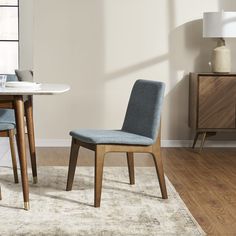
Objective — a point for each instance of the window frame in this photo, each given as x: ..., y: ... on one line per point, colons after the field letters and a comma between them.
x: 18, y: 33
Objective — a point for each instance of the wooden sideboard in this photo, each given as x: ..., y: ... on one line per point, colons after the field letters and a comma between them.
x: 212, y: 104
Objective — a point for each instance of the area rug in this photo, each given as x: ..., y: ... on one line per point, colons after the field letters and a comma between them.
x: 125, y: 209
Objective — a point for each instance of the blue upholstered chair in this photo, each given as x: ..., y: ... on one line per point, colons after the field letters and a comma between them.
x: 140, y: 133
x: 7, y: 119
x: 7, y: 128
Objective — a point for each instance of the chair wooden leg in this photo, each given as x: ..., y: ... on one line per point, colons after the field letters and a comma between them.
x: 72, y: 164
x: 0, y: 193
x: 13, y: 154
x: 195, y: 140
x: 160, y: 172
x: 30, y: 131
x: 99, y: 162
x: 203, y: 141
x: 130, y: 161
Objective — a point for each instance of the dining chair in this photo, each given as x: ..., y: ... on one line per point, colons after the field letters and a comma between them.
x: 140, y: 133
x: 7, y: 129
x: 7, y: 124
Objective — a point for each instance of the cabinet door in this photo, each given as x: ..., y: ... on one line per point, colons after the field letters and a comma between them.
x: 216, y: 102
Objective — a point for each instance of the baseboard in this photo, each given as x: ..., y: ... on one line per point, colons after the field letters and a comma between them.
x: 67, y: 143
x: 53, y: 142
x: 208, y: 143
x: 5, y: 158
x: 164, y: 143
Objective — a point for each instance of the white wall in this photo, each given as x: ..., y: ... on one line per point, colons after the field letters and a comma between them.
x: 26, y: 23
x: 100, y: 47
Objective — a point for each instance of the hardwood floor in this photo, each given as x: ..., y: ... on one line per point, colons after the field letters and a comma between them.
x: 206, y: 182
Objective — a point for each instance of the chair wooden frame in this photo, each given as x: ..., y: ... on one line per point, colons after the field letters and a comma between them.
x: 100, y: 151
x: 11, y: 133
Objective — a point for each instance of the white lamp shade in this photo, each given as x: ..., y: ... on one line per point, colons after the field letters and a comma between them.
x: 219, y: 24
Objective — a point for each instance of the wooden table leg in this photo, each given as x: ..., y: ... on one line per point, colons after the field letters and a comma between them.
x: 20, y: 127
x: 30, y: 131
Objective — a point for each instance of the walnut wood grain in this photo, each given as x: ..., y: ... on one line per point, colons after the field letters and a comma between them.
x: 72, y: 164
x: 206, y: 182
x: 212, y: 103
x: 28, y: 104
x: 217, y: 101
x: 20, y: 127
x: 99, y: 162
x: 193, y: 100
x: 130, y: 162
x: 11, y: 134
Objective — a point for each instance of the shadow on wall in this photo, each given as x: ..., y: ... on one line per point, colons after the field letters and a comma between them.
x: 136, y: 67
x: 85, y: 52
x: 189, y: 52
x: 227, y: 5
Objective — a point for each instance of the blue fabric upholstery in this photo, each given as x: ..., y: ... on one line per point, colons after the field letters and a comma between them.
x: 109, y: 137
x: 11, y: 77
x: 7, y: 116
x: 6, y: 126
x: 7, y: 119
x: 144, y: 109
x: 142, y: 119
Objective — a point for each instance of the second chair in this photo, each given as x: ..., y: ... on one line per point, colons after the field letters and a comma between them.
x: 140, y: 133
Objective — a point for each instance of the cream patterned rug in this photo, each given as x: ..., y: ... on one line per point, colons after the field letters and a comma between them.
x: 125, y: 209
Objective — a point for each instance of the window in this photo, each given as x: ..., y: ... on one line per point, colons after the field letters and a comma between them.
x: 9, y: 36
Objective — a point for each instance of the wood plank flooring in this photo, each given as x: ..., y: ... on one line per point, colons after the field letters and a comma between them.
x: 206, y: 182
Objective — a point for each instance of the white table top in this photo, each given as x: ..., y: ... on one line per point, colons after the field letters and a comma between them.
x: 45, y: 89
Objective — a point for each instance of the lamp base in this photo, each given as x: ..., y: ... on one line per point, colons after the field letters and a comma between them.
x: 221, y: 60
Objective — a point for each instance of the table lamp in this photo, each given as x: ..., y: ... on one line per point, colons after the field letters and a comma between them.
x: 220, y: 25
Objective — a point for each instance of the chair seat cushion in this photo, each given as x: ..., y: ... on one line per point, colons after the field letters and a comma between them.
x: 7, y: 119
x: 7, y: 116
x: 110, y: 137
x: 6, y: 126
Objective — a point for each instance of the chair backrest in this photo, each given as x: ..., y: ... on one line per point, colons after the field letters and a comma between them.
x: 143, y: 114
x: 24, y: 75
